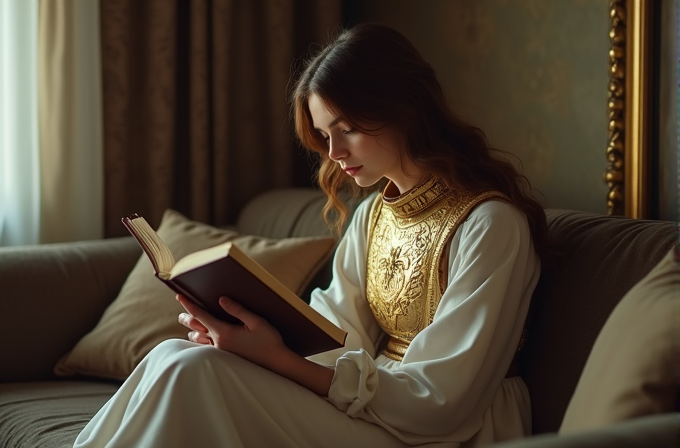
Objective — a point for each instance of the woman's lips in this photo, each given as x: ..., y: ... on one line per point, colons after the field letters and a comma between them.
x: 352, y: 170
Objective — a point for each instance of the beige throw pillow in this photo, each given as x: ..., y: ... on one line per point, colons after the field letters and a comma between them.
x: 145, y: 311
x: 633, y: 368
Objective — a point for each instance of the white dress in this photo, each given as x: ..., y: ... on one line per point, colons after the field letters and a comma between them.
x: 449, y: 390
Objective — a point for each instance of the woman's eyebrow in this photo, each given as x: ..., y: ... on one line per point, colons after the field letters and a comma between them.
x: 332, y: 123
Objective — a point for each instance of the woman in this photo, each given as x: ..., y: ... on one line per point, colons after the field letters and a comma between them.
x: 432, y: 281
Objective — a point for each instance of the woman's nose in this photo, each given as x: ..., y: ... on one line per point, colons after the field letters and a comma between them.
x: 336, y: 150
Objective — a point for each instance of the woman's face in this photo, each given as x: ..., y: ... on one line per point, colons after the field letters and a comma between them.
x: 366, y: 158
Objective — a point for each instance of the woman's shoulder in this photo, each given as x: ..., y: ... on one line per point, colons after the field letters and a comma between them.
x: 496, y: 213
x: 492, y: 225
x: 496, y: 207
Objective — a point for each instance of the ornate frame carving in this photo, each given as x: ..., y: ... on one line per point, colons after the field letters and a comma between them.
x: 629, y: 107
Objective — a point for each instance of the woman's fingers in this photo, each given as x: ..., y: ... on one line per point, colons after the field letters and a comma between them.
x: 255, y: 340
x: 207, y: 328
x: 191, y: 322
x: 238, y: 311
x: 204, y: 317
x: 200, y: 338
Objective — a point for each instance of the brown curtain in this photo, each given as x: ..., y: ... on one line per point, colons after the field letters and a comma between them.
x: 195, y: 110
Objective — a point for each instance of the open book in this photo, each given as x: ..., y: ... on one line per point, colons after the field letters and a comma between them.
x: 224, y: 270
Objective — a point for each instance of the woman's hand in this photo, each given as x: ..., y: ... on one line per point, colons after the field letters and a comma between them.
x: 199, y: 331
x: 256, y: 340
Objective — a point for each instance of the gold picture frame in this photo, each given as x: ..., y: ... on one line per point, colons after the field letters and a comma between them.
x: 629, y: 107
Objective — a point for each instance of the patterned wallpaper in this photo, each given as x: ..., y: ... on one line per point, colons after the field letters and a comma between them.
x: 531, y: 73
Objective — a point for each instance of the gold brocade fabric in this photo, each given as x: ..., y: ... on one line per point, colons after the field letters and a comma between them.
x: 408, y: 237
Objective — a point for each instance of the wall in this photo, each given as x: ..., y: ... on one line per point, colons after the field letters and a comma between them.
x: 668, y: 182
x: 531, y: 73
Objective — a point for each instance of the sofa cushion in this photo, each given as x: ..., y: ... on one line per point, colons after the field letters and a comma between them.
x: 633, y: 368
x: 654, y: 431
x: 49, y: 414
x: 145, y: 312
x: 599, y: 259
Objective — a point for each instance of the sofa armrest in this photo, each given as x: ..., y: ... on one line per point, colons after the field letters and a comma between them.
x: 658, y: 431
x: 53, y: 294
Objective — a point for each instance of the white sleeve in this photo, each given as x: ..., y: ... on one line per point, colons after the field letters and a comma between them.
x: 452, y: 368
x: 344, y: 301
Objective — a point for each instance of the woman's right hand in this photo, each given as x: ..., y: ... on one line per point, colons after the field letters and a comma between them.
x: 256, y: 340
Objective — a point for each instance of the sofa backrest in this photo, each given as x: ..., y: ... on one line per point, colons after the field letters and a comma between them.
x: 600, y: 258
x: 291, y: 212
x: 284, y: 212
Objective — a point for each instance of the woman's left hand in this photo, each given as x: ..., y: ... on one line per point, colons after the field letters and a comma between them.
x: 256, y: 340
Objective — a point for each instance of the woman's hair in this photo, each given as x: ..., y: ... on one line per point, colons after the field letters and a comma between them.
x: 372, y: 76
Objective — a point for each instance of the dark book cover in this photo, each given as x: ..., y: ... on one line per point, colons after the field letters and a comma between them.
x: 226, y: 277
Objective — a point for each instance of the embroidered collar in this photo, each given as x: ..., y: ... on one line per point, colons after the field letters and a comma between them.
x: 417, y: 199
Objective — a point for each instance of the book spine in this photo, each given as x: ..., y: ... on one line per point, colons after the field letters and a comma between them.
x: 178, y: 289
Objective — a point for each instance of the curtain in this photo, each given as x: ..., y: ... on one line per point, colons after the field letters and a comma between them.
x: 71, y: 171
x: 19, y: 152
x: 195, y: 103
x: 50, y: 122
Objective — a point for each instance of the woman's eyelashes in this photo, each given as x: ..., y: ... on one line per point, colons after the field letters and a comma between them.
x: 326, y: 137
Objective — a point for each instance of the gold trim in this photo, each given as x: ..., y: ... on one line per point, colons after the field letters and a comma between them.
x: 638, y: 54
x: 629, y: 104
x: 616, y: 106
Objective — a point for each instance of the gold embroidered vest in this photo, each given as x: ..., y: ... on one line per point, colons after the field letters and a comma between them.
x: 408, y: 257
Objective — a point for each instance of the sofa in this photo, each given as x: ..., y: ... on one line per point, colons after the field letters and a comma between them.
x: 54, y: 294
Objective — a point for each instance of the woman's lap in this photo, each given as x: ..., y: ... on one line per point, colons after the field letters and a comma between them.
x: 184, y: 394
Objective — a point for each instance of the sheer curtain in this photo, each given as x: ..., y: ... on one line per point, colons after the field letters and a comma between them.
x: 51, y: 174
x: 19, y: 151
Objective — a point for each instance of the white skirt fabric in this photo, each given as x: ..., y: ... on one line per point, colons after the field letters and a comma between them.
x: 184, y: 394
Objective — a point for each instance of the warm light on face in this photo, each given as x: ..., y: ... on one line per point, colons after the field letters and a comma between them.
x: 367, y: 158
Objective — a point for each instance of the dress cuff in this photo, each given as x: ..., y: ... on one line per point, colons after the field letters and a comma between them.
x: 354, y: 383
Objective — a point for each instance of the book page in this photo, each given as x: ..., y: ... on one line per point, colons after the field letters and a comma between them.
x: 157, y: 251
x: 200, y: 258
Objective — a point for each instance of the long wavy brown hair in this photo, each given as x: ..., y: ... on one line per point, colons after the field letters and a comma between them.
x: 371, y: 74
